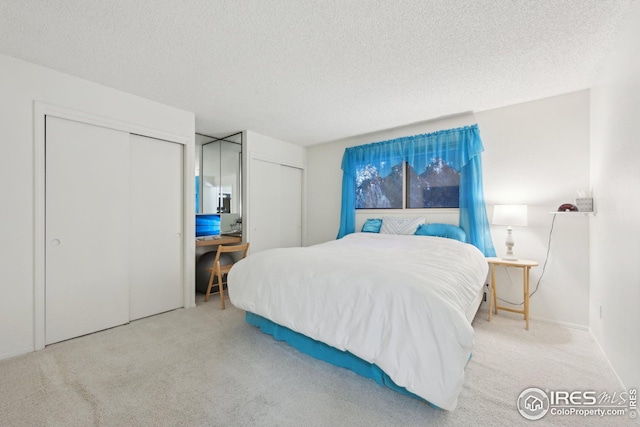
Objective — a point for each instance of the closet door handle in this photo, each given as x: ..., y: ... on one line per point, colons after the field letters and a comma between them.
x: 55, y: 242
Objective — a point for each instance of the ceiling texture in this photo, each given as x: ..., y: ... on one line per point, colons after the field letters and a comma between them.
x: 313, y: 71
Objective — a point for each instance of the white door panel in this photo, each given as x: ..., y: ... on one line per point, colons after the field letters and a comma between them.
x: 275, y: 209
x: 87, y: 229
x: 290, y: 207
x: 264, y: 205
x: 156, y: 226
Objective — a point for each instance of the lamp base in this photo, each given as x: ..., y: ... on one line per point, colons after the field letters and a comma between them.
x: 510, y: 244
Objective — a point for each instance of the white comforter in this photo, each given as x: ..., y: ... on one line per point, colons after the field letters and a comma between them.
x: 396, y: 301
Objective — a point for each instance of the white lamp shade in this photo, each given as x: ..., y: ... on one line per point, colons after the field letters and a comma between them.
x: 511, y: 215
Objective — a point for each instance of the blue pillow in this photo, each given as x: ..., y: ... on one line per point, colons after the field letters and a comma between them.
x: 442, y: 230
x: 372, y: 226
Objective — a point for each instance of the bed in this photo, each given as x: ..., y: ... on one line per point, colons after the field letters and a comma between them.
x: 401, y: 304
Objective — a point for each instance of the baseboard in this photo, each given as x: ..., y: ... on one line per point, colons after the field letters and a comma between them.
x: 559, y: 323
x: 607, y: 359
x: 17, y: 353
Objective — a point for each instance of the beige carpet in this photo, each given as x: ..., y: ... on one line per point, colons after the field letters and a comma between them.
x: 205, y: 366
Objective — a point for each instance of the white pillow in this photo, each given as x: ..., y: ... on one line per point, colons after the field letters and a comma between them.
x: 400, y: 225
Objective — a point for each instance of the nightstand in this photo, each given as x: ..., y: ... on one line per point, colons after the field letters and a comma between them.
x: 525, y: 265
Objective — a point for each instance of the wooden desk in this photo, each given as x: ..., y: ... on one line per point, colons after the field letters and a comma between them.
x: 223, y: 240
x: 525, y: 265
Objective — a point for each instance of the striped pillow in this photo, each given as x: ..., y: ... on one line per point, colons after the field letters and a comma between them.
x: 400, y: 225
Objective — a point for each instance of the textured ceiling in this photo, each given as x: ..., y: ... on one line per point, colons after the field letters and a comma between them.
x: 311, y: 71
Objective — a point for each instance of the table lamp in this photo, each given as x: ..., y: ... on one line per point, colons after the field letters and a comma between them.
x: 511, y: 216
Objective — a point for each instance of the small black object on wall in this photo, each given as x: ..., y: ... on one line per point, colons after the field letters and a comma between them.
x: 568, y: 207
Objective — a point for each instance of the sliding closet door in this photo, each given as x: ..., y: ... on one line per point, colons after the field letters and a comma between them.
x: 275, y: 207
x: 87, y: 229
x: 264, y: 206
x: 156, y: 226
x: 291, y: 206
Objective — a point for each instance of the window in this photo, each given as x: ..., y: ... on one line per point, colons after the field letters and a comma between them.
x: 376, y: 176
x: 381, y: 187
x: 377, y: 190
x: 438, y: 186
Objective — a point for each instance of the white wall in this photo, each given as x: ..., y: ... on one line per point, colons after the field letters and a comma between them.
x: 20, y: 84
x: 536, y: 153
x: 615, y: 231
x: 268, y: 148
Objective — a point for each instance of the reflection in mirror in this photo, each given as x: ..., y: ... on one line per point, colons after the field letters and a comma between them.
x: 211, y: 177
x: 219, y: 178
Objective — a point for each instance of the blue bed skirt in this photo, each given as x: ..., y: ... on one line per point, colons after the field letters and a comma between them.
x: 324, y: 352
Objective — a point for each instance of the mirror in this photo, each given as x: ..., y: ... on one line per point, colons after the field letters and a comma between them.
x: 220, y: 176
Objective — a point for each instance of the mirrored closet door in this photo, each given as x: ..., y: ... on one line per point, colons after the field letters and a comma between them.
x: 220, y: 179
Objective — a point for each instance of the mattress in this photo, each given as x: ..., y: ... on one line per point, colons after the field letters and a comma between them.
x: 475, y: 306
x: 398, y: 302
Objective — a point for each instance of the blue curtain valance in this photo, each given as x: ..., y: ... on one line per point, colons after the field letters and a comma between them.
x: 461, y: 148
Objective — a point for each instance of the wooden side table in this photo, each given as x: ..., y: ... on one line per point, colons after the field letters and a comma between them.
x: 525, y: 265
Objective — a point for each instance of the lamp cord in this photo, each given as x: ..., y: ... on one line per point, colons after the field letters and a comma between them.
x: 544, y: 266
